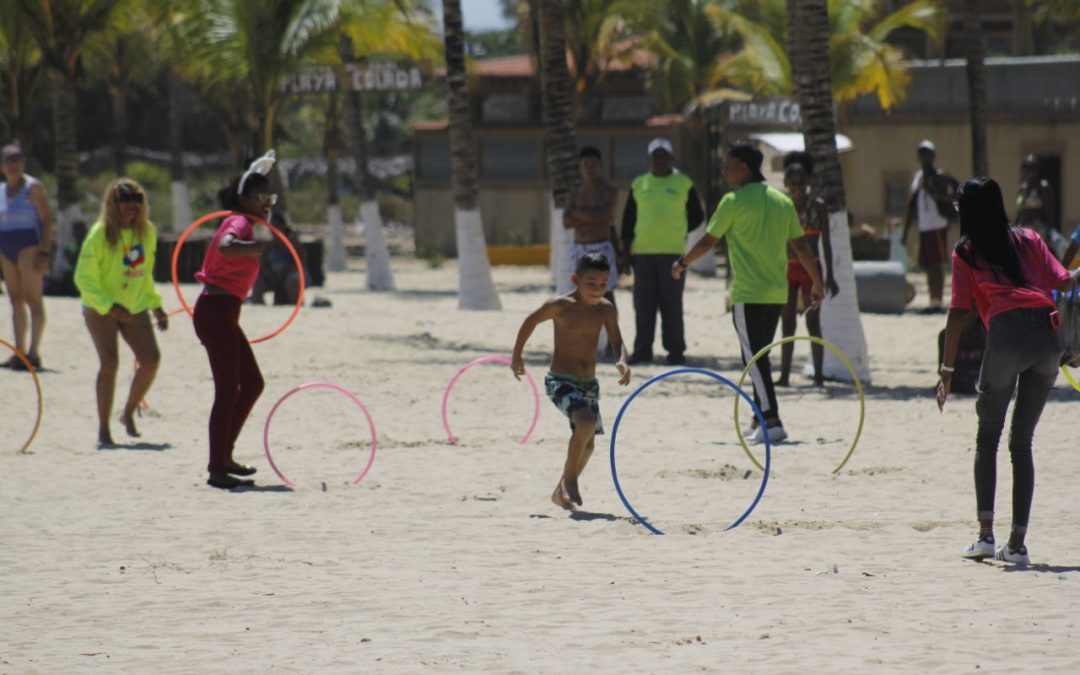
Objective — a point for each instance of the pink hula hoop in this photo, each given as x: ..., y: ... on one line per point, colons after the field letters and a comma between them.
x: 319, y: 385
x: 475, y: 362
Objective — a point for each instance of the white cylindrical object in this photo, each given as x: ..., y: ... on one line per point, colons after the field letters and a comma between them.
x: 840, y: 321
x: 562, y: 240
x: 335, y: 255
x: 181, y: 206
x: 476, y: 290
x: 380, y: 277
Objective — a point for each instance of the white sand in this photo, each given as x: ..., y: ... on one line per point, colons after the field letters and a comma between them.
x: 452, y: 558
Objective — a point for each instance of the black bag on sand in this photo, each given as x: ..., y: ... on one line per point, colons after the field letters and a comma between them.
x: 1068, y: 309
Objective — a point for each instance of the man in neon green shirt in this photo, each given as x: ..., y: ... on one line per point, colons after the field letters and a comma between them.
x: 662, y: 207
x: 759, y: 223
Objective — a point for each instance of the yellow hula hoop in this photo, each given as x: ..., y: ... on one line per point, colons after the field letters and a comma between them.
x: 37, y: 386
x: 840, y: 355
x: 1069, y: 378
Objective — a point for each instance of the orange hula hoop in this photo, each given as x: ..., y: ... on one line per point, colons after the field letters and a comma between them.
x: 37, y: 386
x: 277, y: 233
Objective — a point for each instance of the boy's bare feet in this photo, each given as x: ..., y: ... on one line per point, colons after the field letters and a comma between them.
x: 559, y: 498
x: 571, y: 487
x: 128, y: 420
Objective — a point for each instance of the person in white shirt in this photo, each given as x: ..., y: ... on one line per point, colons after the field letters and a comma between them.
x: 933, y: 192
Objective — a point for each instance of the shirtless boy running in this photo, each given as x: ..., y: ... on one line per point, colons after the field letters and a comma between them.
x: 571, y: 383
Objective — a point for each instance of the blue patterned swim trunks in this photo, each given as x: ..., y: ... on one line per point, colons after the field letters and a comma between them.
x: 570, y: 394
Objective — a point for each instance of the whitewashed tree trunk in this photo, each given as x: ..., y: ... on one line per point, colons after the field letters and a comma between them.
x: 840, y: 323
x: 380, y: 277
x: 706, y: 264
x: 181, y: 206
x: 561, y: 240
x: 335, y: 256
x: 476, y: 288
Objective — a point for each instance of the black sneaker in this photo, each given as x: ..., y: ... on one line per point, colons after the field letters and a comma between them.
x: 639, y: 358
x: 676, y: 359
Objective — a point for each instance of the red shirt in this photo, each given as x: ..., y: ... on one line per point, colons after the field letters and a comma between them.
x: 235, y: 275
x: 994, y: 295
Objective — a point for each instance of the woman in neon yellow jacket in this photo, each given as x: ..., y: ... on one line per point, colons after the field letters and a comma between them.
x: 116, y: 283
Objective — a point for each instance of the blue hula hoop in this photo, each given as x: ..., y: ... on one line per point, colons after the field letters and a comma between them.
x: 719, y: 378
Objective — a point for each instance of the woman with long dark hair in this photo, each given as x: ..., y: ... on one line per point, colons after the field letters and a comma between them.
x: 228, y: 273
x: 1009, y: 274
x: 115, y: 279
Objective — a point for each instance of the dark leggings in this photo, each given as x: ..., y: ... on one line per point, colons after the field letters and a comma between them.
x: 237, y: 380
x: 1022, y: 354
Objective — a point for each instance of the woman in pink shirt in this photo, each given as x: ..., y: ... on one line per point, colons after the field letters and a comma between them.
x: 228, y: 273
x: 1008, y: 274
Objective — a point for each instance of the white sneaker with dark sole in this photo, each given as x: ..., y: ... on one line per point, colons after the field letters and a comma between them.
x: 776, y: 435
x: 1016, y: 556
x: 980, y: 550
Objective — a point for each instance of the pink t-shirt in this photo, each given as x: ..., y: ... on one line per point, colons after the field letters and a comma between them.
x: 235, y: 275
x: 993, y: 296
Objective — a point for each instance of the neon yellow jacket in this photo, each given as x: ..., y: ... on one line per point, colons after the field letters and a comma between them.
x: 121, y: 274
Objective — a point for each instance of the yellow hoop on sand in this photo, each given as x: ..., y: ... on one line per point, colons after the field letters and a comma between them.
x: 840, y: 355
x: 37, y: 386
x: 1069, y: 378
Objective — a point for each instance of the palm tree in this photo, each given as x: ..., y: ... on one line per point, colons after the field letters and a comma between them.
x: 808, y: 36
x: 976, y: 81
x: 61, y: 28
x: 390, y: 27
x: 742, y: 43
x: 559, y: 136
x: 20, y: 74
x: 119, y: 56
x: 266, y: 40
x: 476, y: 290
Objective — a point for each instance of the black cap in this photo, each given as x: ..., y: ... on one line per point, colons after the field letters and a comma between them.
x: 749, y: 155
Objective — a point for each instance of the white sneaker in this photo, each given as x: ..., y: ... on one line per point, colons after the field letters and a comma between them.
x: 982, y: 548
x: 776, y: 434
x: 1016, y: 556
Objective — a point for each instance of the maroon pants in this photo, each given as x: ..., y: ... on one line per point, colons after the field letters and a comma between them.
x: 237, y: 380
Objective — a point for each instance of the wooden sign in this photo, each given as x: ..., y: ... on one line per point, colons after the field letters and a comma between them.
x: 375, y: 76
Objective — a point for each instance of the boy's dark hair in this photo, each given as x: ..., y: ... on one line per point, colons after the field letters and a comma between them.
x: 229, y: 196
x: 589, y: 151
x: 593, y: 261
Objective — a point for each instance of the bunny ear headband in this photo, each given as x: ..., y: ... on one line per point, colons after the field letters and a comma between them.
x: 261, y: 166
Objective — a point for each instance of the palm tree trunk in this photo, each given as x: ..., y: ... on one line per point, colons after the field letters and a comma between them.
x: 336, y: 260
x: 380, y: 276
x: 65, y: 100
x: 808, y: 30
x: 181, y: 202
x: 118, y: 94
x: 559, y: 136
x: 476, y: 290
x: 976, y: 80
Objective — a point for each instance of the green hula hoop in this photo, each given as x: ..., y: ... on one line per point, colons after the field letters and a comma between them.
x: 1069, y: 378
x: 854, y: 376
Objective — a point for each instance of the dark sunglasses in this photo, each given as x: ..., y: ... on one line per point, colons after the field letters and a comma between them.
x: 130, y: 198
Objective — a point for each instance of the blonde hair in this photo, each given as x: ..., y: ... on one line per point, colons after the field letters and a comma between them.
x: 110, y: 209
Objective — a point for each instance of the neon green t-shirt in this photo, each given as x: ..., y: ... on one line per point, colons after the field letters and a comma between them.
x: 121, y: 274
x: 758, y: 221
x: 661, y: 213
